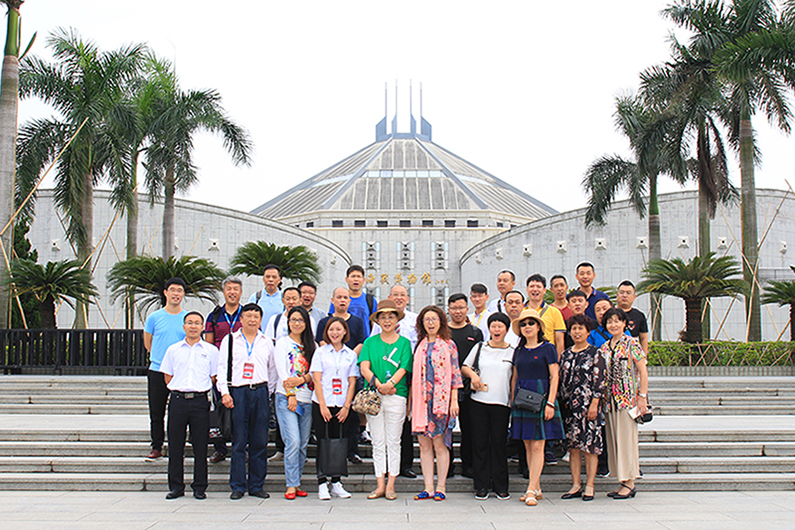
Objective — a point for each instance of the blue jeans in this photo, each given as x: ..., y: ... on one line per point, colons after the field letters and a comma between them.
x: 295, y: 430
x: 249, y: 429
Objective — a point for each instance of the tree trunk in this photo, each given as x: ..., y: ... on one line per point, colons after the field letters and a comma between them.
x: 703, y: 249
x: 132, y: 239
x: 47, y: 311
x: 85, y: 244
x: 693, y: 321
x: 168, y: 217
x: 753, y: 312
x: 9, y: 103
x: 655, y: 253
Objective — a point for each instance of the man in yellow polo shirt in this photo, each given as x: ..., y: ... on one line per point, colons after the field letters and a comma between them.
x: 554, y: 325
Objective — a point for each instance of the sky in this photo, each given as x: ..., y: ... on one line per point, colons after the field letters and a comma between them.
x: 524, y: 90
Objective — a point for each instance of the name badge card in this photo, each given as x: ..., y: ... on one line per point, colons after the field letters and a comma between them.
x: 336, y: 386
x: 248, y: 371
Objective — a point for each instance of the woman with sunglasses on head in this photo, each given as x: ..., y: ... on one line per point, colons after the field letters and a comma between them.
x: 384, y: 361
x: 334, y: 371
x: 627, y: 384
x: 435, y: 381
x: 292, y: 357
x: 535, y: 368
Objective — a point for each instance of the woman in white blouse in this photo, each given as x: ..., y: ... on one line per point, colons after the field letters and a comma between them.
x: 334, y: 371
x: 489, y: 367
x: 292, y: 357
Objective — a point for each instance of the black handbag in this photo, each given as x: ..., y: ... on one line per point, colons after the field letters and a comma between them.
x: 332, y: 455
x: 220, y: 416
x: 528, y: 400
x: 466, y: 391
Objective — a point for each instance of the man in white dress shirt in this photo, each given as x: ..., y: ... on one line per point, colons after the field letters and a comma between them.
x: 245, y: 391
x: 506, y: 281
x: 189, y: 368
x: 514, y: 303
x: 479, y: 296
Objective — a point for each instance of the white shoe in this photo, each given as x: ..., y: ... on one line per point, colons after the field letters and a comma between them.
x: 565, y: 457
x: 278, y: 455
x: 338, y: 491
x: 322, y: 492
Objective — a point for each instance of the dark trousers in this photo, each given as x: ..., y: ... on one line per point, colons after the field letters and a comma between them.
x: 331, y: 430
x: 158, y: 397
x: 489, y: 446
x: 249, y: 430
x: 603, y: 466
x: 183, y: 412
x: 466, y: 423
x: 406, y: 446
x: 219, y: 445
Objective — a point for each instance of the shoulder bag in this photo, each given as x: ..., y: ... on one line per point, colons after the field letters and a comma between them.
x: 367, y: 400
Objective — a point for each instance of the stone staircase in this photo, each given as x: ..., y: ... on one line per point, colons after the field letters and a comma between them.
x: 91, y: 433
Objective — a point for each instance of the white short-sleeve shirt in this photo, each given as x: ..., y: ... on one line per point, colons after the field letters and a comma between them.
x: 334, y: 365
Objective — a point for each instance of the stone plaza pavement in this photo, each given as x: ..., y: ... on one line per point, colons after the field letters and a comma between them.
x: 22, y: 510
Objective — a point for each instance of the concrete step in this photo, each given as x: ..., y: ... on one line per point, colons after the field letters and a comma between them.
x: 724, y: 410
x: 75, y: 408
x: 716, y: 450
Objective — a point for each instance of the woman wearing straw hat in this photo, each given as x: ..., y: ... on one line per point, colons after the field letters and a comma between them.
x: 384, y: 361
x: 535, y: 368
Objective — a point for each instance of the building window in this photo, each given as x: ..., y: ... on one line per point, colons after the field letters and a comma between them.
x: 310, y: 224
x: 513, y: 226
x: 427, y: 222
x: 472, y: 223
x: 359, y: 223
x: 405, y: 223
x: 499, y: 224
x: 383, y: 224
x: 449, y: 223
x: 336, y: 224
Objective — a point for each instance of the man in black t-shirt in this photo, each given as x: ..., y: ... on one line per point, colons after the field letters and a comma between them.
x: 465, y: 336
x: 637, y: 325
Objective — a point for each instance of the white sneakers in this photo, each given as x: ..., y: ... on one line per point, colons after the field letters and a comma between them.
x: 338, y: 491
x: 322, y: 492
x: 276, y: 457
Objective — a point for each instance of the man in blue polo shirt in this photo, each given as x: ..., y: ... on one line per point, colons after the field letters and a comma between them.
x: 362, y: 304
x: 586, y: 275
x: 269, y: 298
x: 162, y: 328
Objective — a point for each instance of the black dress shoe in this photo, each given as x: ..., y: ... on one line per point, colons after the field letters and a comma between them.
x: 408, y: 473
x: 262, y: 494
x: 199, y: 495
x: 236, y: 495
x: 573, y: 495
x: 171, y: 495
x: 627, y: 495
x: 355, y: 459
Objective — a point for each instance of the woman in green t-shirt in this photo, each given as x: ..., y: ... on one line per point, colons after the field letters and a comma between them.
x: 384, y: 361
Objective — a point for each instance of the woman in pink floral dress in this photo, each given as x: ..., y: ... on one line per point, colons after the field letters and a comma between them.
x: 435, y: 381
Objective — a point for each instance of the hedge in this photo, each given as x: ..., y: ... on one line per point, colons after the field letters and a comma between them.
x: 721, y: 353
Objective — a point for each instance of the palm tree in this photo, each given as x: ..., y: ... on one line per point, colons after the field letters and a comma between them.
x: 782, y: 293
x: 9, y: 104
x: 701, y: 277
x: 296, y: 263
x: 647, y: 132
x: 169, y: 160
x: 86, y: 86
x: 52, y: 284
x: 721, y: 33
x: 146, y: 277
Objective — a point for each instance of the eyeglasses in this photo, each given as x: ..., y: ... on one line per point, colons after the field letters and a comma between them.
x: 431, y: 320
x: 525, y: 323
x: 297, y: 321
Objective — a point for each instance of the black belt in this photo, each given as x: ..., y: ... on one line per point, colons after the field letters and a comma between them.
x: 255, y: 386
x: 189, y: 395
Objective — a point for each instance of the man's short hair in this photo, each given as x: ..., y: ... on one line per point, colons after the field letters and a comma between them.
x: 455, y: 297
x: 176, y: 281
x: 291, y: 288
x: 520, y: 293
x: 251, y: 306
x: 272, y: 266
x: 509, y: 271
x: 306, y: 283
x: 626, y: 283
x: 189, y: 313
x: 536, y: 278
x: 232, y: 279
x: 334, y: 292
x: 479, y: 288
x: 585, y: 264
x: 576, y: 294
x: 354, y: 268
x: 558, y: 277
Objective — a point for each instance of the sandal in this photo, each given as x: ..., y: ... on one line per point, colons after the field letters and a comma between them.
x: 538, y: 495
x: 439, y: 496
x: 422, y: 496
x: 530, y: 500
x: 528, y: 493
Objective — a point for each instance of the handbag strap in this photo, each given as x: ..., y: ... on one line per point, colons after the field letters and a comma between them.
x: 476, y: 364
x: 229, y: 361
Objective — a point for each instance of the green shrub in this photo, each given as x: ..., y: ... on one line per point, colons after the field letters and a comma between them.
x: 721, y: 353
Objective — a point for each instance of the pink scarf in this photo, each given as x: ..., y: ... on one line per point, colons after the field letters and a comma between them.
x: 444, y: 359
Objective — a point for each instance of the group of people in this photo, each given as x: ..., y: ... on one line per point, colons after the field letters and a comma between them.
x: 571, y: 372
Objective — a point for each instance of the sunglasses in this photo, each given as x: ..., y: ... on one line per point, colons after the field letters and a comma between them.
x: 525, y: 323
